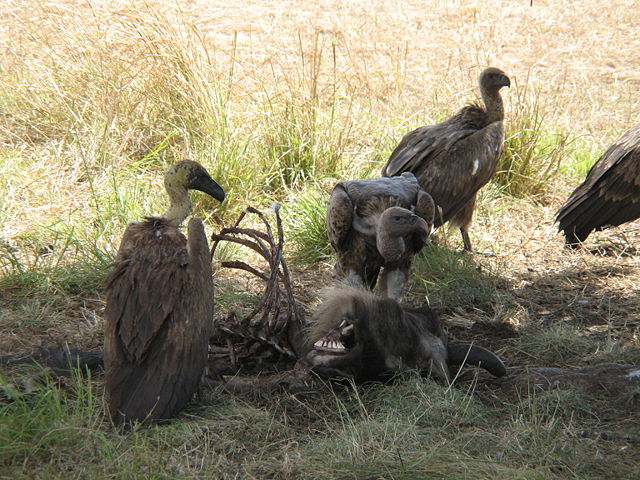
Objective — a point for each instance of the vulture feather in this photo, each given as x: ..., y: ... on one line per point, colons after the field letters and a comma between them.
x: 609, y: 196
x: 379, y: 222
x: 454, y: 159
x: 159, y: 306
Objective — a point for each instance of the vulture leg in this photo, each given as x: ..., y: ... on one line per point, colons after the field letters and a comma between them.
x: 462, y: 219
x: 464, y: 231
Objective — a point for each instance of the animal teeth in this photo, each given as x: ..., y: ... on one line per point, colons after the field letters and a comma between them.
x: 318, y: 343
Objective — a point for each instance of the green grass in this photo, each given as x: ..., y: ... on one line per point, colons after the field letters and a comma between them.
x: 412, y: 429
x: 533, y: 155
x: 452, y: 278
x: 556, y: 345
x: 306, y: 222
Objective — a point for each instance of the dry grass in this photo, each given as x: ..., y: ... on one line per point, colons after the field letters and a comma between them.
x: 279, y: 100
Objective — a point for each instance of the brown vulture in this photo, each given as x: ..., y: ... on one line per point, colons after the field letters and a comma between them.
x: 454, y: 159
x: 357, y: 335
x: 379, y: 222
x: 159, y: 306
x: 609, y: 196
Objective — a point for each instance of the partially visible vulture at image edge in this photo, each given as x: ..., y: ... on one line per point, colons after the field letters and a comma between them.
x: 159, y: 307
x: 609, y: 196
x: 454, y: 159
x: 379, y: 223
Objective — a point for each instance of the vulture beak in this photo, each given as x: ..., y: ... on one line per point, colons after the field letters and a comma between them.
x: 208, y: 185
x: 505, y: 82
x: 422, y: 226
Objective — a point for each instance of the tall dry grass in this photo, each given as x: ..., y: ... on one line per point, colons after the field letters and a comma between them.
x: 97, y: 97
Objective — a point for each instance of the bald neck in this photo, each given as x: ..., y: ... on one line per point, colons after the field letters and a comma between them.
x: 179, y: 204
x: 493, y: 104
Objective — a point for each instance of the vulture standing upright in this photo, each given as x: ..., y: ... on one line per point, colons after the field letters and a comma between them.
x: 159, y: 306
x: 454, y: 159
x: 379, y: 222
x: 609, y: 196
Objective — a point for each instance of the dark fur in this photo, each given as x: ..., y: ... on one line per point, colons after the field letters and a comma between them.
x: 387, y: 339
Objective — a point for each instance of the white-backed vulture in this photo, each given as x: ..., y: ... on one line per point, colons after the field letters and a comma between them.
x: 379, y: 222
x: 609, y: 195
x: 159, y: 307
x: 357, y: 335
x: 454, y: 159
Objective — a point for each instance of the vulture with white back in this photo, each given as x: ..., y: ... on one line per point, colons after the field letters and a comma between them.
x: 609, y: 195
x: 452, y: 160
x: 379, y: 223
x: 159, y: 306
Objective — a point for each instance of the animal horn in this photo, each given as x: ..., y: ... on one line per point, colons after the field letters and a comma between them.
x: 468, y: 354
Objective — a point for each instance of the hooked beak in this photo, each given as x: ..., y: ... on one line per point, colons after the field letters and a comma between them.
x: 209, y: 186
x: 505, y: 82
x: 424, y: 228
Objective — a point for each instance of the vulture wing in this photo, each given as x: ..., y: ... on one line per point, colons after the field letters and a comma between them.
x: 147, y: 280
x: 425, y: 207
x: 159, y: 312
x: 609, y: 195
x: 340, y: 216
x: 420, y: 146
x: 451, y: 163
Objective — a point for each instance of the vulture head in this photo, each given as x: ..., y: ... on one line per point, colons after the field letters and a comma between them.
x: 396, y: 223
x: 179, y: 179
x: 493, y: 79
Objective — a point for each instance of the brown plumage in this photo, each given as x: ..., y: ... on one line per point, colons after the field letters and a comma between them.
x: 379, y: 222
x: 609, y: 195
x: 357, y: 335
x: 159, y: 307
x: 454, y: 159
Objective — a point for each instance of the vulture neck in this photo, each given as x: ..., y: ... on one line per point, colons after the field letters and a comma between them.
x: 493, y: 104
x: 179, y: 205
x: 390, y: 246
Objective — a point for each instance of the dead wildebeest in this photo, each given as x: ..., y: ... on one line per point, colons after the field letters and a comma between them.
x: 355, y: 334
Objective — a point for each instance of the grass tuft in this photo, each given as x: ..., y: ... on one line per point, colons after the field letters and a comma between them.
x: 556, y: 345
x: 452, y: 279
x: 306, y: 223
x: 532, y: 155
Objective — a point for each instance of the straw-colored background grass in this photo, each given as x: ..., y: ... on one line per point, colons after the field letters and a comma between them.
x: 279, y: 100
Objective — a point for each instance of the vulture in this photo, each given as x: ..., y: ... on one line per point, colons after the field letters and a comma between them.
x: 609, y: 196
x: 355, y: 334
x: 454, y: 159
x: 159, y: 306
x: 379, y: 222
